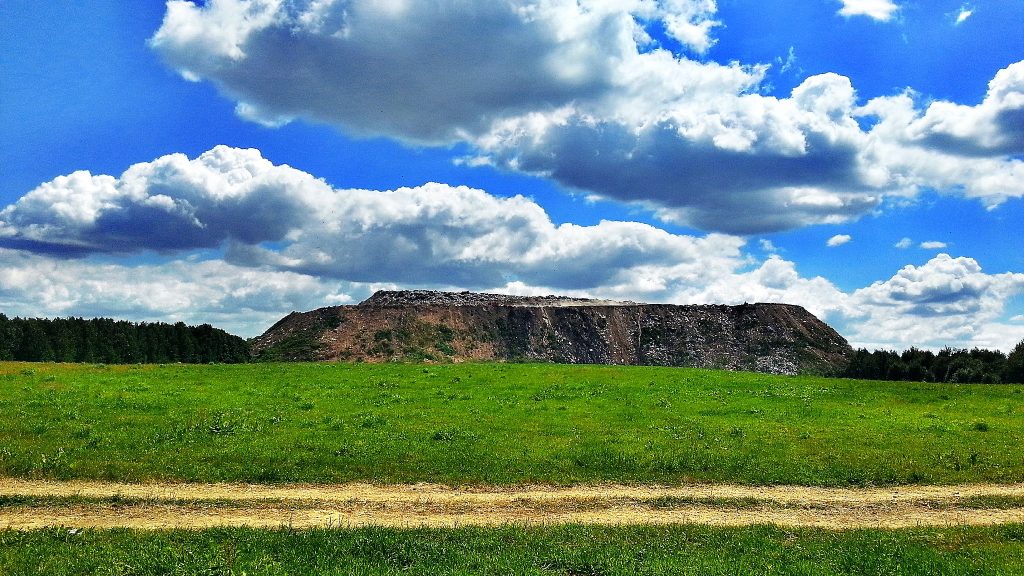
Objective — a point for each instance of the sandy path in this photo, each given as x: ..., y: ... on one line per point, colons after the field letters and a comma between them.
x: 205, y: 505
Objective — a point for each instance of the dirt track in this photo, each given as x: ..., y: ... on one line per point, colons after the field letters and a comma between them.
x: 35, y: 504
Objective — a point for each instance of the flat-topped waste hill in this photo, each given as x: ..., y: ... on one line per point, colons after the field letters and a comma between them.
x: 462, y: 326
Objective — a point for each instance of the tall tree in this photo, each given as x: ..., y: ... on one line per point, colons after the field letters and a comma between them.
x: 1014, y: 370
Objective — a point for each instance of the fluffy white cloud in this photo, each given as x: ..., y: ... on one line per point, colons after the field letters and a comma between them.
x: 838, y: 240
x: 994, y: 126
x: 579, y: 92
x: 881, y: 10
x: 933, y: 245
x: 293, y: 242
x: 422, y: 71
x: 242, y: 300
x: 904, y: 243
x: 752, y: 163
x: 965, y: 12
x: 946, y: 301
x: 969, y: 150
x: 690, y: 22
x: 247, y: 300
x: 774, y: 280
x: 244, y: 241
x: 172, y: 203
x: 235, y: 199
x: 742, y: 165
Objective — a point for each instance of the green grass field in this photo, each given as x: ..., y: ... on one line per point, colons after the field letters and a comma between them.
x: 563, y: 550
x: 499, y: 424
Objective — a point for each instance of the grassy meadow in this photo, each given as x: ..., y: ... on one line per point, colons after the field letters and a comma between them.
x: 565, y: 550
x: 499, y: 424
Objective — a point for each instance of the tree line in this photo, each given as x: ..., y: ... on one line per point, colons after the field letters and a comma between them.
x: 947, y: 365
x: 103, y: 340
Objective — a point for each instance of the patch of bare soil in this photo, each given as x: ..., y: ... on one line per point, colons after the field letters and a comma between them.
x: 196, y: 506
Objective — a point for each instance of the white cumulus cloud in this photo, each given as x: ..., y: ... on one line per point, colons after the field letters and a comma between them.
x: 881, y: 10
x: 238, y: 241
x: 420, y: 71
x: 579, y: 92
x: 965, y: 12
x: 904, y: 243
x: 838, y: 240
x: 994, y: 126
x: 237, y: 200
x: 933, y: 245
x: 946, y: 301
x: 690, y: 22
x: 242, y: 300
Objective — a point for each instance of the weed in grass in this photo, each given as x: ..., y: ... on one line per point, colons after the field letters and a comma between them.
x: 372, y: 421
x: 452, y: 435
x: 221, y: 424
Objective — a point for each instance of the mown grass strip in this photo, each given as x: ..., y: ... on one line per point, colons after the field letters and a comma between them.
x: 563, y: 550
x: 498, y: 424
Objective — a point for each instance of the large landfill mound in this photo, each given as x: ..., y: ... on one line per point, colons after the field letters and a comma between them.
x: 422, y: 325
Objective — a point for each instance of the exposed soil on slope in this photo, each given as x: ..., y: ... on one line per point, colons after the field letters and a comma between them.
x: 460, y: 326
x: 30, y: 504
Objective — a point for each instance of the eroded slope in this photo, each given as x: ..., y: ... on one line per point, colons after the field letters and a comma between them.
x: 447, y: 326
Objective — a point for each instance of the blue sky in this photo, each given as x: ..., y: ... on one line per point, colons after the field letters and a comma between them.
x: 229, y: 161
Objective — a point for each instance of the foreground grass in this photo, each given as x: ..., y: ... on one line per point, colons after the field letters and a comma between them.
x: 498, y: 423
x: 566, y: 550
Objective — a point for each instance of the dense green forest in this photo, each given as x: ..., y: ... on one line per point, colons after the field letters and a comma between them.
x: 948, y: 365
x: 116, y: 342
